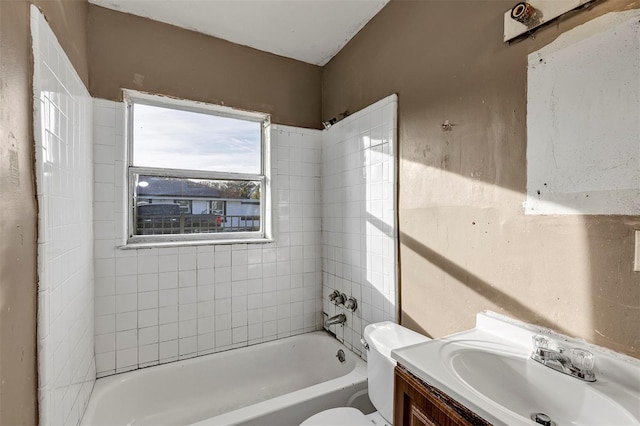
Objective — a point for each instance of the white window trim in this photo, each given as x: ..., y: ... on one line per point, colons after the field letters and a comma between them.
x: 140, y: 241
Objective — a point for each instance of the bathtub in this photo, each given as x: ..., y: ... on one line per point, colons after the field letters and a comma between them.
x: 276, y: 383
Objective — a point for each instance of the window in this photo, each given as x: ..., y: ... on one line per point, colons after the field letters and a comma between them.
x: 196, y: 171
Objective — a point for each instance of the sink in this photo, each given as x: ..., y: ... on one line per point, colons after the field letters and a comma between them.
x: 525, y: 387
x: 488, y: 369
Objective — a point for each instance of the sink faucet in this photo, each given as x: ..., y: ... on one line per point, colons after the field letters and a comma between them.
x: 336, y: 319
x: 574, y: 362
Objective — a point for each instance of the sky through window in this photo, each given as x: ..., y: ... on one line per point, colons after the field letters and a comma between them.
x: 177, y: 139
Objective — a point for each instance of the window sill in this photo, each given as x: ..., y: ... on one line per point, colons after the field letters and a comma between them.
x: 145, y: 245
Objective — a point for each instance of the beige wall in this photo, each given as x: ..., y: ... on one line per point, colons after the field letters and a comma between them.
x: 466, y: 245
x: 18, y: 381
x: 131, y: 52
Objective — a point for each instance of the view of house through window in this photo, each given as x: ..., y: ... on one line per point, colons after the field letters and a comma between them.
x: 195, y: 171
x: 168, y: 205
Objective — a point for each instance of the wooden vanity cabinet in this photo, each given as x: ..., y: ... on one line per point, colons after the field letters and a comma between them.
x: 416, y: 403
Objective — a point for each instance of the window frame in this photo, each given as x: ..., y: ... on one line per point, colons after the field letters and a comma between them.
x: 132, y: 98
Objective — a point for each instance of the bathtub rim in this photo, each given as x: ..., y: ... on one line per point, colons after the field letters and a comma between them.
x: 354, y: 377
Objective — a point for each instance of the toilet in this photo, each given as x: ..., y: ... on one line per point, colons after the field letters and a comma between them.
x: 379, y: 340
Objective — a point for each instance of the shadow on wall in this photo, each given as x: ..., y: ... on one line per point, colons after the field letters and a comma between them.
x: 571, y: 273
x: 512, y: 306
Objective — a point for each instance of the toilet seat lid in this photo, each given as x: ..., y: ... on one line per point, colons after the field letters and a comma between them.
x: 343, y: 416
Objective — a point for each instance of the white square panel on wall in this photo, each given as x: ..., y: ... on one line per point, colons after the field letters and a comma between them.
x: 583, y: 131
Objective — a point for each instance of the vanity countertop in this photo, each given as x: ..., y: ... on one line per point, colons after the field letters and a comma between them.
x: 488, y: 369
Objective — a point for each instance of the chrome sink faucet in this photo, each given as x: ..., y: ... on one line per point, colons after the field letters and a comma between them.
x: 574, y: 362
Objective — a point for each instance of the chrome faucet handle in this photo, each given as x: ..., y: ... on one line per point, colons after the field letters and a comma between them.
x: 333, y: 295
x: 540, y: 341
x: 351, y: 304
x: 340, y: 299
x: 581, y: 359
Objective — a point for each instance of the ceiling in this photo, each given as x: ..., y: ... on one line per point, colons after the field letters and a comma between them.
x: 311, y: 31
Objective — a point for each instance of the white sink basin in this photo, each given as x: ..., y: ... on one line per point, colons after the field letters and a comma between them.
x: 526, y: 387
x: 488, y: 370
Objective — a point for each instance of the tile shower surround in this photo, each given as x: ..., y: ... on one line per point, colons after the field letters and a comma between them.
x: 157, y: 305
x: 359, y: 221
x: 63, y: 134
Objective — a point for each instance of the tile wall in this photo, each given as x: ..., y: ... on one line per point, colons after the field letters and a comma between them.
x: 359, y: 220
x: 64, y: 175
x: 159, y: 305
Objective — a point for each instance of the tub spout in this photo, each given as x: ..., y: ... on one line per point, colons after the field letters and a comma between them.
x: 336, y: 319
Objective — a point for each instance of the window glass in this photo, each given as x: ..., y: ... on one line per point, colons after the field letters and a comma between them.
x: 195, y: 171
x: 178, y: 139
x: 168, y: 205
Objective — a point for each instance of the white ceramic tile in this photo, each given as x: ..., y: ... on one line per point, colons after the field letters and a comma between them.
x: 147, y: 300
x: 126, y: 266
x: 186, y: 261
x: 206, y: 325
x: 126, y: 303
x: 147, y: 264
x: 167, y: 263
x: 188, y: 345
x: 105, y: 343
x: 106, y: 361
x: 202, y: 299
x: 127, y: 358
x: 148, y: 335
x: 205, y: 276
x: 147, y: 282
x: 148, y: 317
x: 105, y: 324
x: 167, y: 280
x: 168, y: 350
x: 64, y: 181
x: 187, y: 278
x: 205, y: 292
x: 148, y: 353
x: 358, y: 220
x: 168, y: 314
x: 126, y: 321
x: 126, y: 339
x: 206, y: 343
x: 126, y: 284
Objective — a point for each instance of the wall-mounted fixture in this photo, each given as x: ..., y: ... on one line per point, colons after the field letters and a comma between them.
x: 351, y: 304
x: 337, y: 298
x: 330, y: 122
x: 524, y: 13
x: 525, y: 16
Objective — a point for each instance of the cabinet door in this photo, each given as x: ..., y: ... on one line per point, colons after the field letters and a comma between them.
x: 416, y: 403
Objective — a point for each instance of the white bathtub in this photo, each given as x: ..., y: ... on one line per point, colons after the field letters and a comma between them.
x: 277, y: 383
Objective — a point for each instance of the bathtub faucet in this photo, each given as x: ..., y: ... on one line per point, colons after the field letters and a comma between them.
x: 336, y: 319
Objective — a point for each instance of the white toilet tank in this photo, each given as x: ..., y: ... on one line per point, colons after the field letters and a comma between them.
x: 382, y: 338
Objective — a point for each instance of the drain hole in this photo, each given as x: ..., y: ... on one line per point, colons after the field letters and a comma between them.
x: 542, y: 419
